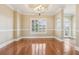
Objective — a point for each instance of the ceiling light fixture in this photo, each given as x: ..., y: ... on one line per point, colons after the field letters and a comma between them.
x: 39, y: 9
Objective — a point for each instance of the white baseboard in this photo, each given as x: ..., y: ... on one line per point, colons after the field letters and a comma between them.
x: 39, y: 37
x: 44, y: 37
x: 8, y: 42
x: 58, y: 39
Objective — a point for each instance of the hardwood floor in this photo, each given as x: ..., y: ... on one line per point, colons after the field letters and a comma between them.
x: 36, y: 46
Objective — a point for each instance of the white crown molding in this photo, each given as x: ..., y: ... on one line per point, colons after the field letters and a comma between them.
x: 11, y: 7
x: 8, y: 5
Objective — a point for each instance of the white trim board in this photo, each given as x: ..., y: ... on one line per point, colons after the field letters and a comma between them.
x: 39, y: 37
x: 43, y: 37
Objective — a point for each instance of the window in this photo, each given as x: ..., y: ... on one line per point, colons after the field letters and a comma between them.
x: 39, y: 25
x: 67, y: 27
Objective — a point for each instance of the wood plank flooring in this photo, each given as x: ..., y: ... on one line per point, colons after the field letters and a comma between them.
x: 43, y: 46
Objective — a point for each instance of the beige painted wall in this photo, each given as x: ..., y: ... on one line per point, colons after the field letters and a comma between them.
x: 6, y: 23
x: 10, y: 24
x: 77, y: 25
x: 27, y: 24
x: 18, y: 21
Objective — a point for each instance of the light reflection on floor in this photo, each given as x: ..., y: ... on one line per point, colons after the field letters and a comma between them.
x: 69, y: 45
x: 38, y: 49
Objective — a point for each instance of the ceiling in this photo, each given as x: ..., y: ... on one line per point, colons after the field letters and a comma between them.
x: 27, y: 9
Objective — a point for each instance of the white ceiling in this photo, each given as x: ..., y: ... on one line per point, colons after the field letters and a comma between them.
x: 70, y: 9
x: 25, y: 9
